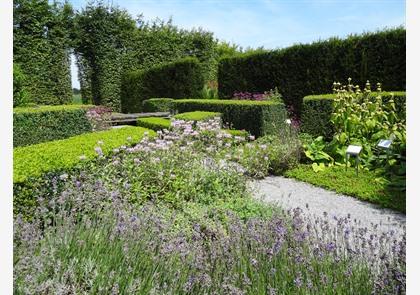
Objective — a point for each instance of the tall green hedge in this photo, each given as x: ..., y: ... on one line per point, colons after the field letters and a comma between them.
x: 306, y: 69
x: 41, y: 46
x: 108, y: 43
x: 257, y: 117
x: 180, y: 79
x: 317, y: 110
x: 32, y: 125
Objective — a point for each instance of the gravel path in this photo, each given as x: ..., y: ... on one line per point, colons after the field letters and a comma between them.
x: 290, y: 193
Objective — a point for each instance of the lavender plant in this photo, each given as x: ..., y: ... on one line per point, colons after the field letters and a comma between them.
x: 172, y: 215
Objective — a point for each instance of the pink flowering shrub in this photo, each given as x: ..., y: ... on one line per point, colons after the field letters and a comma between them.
x: 99, y: 117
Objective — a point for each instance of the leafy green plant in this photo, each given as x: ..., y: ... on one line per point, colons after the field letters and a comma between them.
x: 209, y: 92
x: 315, y: 151
x: 363, y: 119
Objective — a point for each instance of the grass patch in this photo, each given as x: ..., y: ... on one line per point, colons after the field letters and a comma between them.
x: 366, y: 186
x: 197, y: 116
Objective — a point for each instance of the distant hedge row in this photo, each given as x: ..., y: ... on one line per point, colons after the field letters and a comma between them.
x: 180, y: 79
x: 32, y: 125
x: 317, y: 110
x: 257, y: 117
x: 302, y: 70
x: 158, y: 105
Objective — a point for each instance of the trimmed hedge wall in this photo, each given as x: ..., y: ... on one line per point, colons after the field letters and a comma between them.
x: 32, y: 125
x: 302, y: 70
x: 181, y: 79
x: 158, y: 105
x: 37, y: 167
x: 317, y: 110
x: 257, y: 117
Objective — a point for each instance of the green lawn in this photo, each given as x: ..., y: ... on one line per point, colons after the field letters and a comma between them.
x: 367, y: 186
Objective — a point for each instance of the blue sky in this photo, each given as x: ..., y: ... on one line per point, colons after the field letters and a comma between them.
x: 269, y: 23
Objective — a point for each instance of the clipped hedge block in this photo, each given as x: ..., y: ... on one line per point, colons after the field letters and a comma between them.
x: 158, y: 105
x: 317, y: 110
x: 154, y: 123
x: 305, y: 69
x: 197, y: 116
x: 180, y: 79
x: 37, y: 167
x: 32, y: 125
x: 257, y: 117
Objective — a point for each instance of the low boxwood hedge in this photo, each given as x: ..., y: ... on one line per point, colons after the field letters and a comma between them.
x: 197, y: 116
x: 317, y: 110
x: 158, y: 105
x: 257, y: 117
x: 154, y: 123
x: 32, y: 125
x: 37, y: 168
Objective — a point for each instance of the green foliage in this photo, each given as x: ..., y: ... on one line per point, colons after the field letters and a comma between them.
x: 315, y: 151
x: 317, y: 111
x: 209, y: 92
x: 32, y: 125
x: 102, y: 34
x: 180, y: 79
x: 301, y: 70
x: 61, y: 155
x: 108, y: 44
x: 154, y: 123
x: 367, y: 186
x: 20, y: 95
x: 316, y: 116
x: 267, y: 155
x: 257, y: 117
x: 197, y: 116
x: 158, y: 105
x: 41, y: 169
x: 234, y: 132
x: 41, y: 46
x: 363, y: 119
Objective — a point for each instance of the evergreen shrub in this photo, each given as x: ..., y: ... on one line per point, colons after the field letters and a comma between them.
x: 180, y: 79
x: 32, y: 125
x: 306, y: 69
x: 257, y: 117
